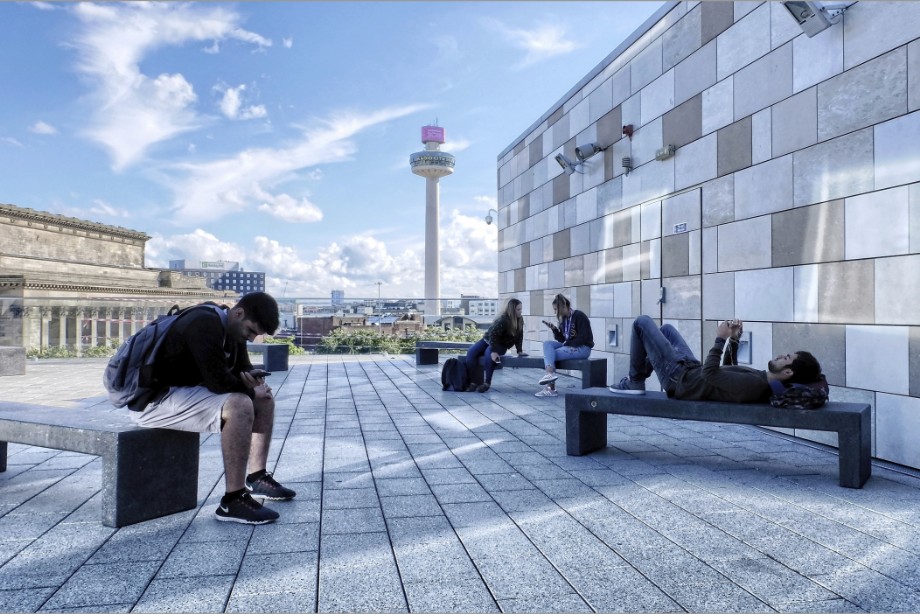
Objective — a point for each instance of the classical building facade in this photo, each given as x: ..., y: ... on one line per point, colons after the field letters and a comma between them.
x: 72, y: 283
x: 769, y: 176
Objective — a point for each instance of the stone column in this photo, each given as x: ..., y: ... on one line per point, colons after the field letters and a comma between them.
x: 94, y: 327
x: 78, y: 330
x: 44, y: 328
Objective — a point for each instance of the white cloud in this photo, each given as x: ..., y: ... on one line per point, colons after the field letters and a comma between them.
x: 43, y: 6
x: 133, y: 111
x: 210, y: 190
x: 452, y: 145
x: 231, y: 104
x: 290, y: 209
x: 100, y: 207
x: 354, y: 264
x: 11, y: 141
x: 287, y: 42
x: 41, y: 127
x: 538, y: 44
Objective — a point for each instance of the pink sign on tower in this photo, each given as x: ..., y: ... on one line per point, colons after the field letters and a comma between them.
x: 432, y: 134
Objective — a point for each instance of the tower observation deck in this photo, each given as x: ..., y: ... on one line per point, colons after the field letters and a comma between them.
x: 432, y: 164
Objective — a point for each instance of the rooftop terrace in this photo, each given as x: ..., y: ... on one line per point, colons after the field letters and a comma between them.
x: 414, y: 499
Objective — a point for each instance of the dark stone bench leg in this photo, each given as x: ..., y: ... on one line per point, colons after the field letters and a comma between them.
x: 584, y: 431
x: 2, y: 456
x: 855, y: 453
x: 426, y: 356
x: 275, y: 357
x: 149, y: 474
x: 595, y: 376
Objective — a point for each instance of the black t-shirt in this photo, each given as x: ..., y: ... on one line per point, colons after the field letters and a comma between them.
x: 197, y: 352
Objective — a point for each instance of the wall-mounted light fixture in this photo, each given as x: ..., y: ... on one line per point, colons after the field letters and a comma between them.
x: 813, y: 17
x: 665, y: 152
x: 627, y: 164
x: 583, y: 152
x: 628, y: 131
x: 567, y: 165
x: 489, y: 217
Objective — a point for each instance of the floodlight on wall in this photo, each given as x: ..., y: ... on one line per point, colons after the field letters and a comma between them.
x: 665, y: 152
x: 567, y: 165
x: 489, y: 217
x: 813, y: 17
x: 628, y: 131
x: 583, y: 152
x: 627, y: 164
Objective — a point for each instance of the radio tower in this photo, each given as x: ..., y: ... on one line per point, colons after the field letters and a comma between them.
x: 432, y: 164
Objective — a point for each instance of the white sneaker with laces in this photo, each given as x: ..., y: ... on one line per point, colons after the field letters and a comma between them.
x: 547, y: 392
x: 548, y: 378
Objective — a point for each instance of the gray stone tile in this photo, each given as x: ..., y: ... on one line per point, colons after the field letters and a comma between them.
x: 553, y: 603
x: 24, y: 599
x: 203, y: 559
x: 448, y: 476
x: 186, y: 595
x: 350, y: 498
x: 271, y: 574
x: 410, y: 505
x: 283, y: 538
x: 464, y: 596
x: 772, y: 581
x: 100, y: 585
x: 360, y: 520
x: 459, y: 493
x: 504, y: 481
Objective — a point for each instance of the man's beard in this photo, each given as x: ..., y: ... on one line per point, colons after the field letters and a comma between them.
x: 771, y: 366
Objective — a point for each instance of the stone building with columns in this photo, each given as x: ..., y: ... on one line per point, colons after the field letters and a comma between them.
x: 790, y: 198
x: 66, y: 282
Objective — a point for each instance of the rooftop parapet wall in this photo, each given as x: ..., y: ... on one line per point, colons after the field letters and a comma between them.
x: 35, y: 234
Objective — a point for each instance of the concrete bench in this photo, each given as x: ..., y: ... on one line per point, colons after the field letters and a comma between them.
x: 426, y: 352
x: 12, y: 360
x: 274, y: 355
x: 593, y: 370
x: 146, y: 473
x: 586, y: 422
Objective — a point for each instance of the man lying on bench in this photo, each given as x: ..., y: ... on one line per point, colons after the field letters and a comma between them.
x: 684, y: 377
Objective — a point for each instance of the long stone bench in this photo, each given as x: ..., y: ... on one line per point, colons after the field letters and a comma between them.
x: 274, y: 355
x: 146, y: 473
x: 586, y: 422
x: 593, y: 370
x: 426, y: 352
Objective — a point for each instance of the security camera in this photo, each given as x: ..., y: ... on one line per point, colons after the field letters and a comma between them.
x: 813, y: 17
x: 583, y: 152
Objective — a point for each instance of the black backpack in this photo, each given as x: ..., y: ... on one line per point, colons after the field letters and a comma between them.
x: 128, y: 376
x: 803, y: 396
x: 454, y: 375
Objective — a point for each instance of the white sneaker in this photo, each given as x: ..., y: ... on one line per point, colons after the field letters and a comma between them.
x: 547, y: 392
x: 548, y: 379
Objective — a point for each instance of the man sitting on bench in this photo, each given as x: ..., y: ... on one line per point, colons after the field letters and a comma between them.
x: 683, y: 376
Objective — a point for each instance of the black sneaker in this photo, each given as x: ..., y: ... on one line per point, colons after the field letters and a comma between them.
x: 482, y: 388
x: 266, y: 487
x: 243, y: 508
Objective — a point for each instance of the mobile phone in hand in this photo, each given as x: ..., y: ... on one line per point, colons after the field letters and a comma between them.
x: 259, y: 373
x: 549, y: 324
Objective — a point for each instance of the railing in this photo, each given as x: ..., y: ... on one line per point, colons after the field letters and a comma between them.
x: 90, y: 324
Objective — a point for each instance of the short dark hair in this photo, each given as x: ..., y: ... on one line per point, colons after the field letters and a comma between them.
x: 261, y: 308
x: 805, y: 368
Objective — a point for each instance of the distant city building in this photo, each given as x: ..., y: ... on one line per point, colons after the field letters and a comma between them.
x: 483, y: 307
x: 221, y: 275
x: 338, y: 298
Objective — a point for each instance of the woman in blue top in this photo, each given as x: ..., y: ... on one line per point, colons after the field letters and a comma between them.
x: 572, y: 340
x: 506, y: 330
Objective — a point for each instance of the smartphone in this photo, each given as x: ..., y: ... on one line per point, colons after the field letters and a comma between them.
x: 259, y: 373
x: 548, y: 324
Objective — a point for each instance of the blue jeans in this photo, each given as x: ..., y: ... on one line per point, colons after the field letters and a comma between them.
x: 480, y: 348
x: 660, y: 349
x: 554, y: 350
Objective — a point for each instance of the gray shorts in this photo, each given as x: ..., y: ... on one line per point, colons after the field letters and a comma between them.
x: 184, y: 408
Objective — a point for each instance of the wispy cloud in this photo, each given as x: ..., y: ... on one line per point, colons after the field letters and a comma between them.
x: 134, y: 111
x: 11, y: 141
x: 287, y: 42
x: 231, y: 104
x: 41, y: 127
x: 210, y: 190
x: 538, y: 44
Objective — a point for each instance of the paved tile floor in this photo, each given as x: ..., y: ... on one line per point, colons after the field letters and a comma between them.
x: 414, y: 499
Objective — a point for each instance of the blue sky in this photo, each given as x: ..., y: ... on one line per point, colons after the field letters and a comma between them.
x: 277, y: 134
